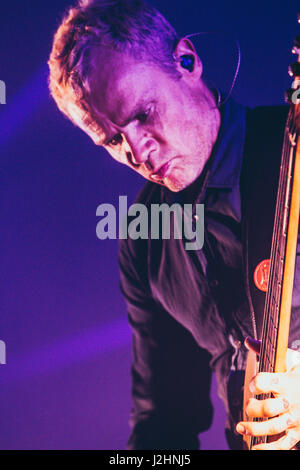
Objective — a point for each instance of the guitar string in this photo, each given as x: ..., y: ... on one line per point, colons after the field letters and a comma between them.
x: 274, y: 246
x: 267, y: 358
x: 267, y: 362
x: 262, y: 361
x: 280, y: 251
x: 277, y: 266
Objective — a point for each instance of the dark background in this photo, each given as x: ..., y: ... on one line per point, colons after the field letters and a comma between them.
x: 66, y: 384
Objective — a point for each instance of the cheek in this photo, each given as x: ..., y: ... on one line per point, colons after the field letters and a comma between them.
x: 181, y: 131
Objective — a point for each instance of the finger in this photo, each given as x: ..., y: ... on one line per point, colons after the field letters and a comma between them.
x: 252, y: 344
x: 268, y: 382
x: 266, y: 408
x: 292, y: 358
x: 287, y: 442
x: 269, y: 427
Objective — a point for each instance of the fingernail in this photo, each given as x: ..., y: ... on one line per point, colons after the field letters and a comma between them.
x: 275, y: 381
x: 289, y: 422
x: 252, y: 387
x: 286, y: 404
x: 241, y: 429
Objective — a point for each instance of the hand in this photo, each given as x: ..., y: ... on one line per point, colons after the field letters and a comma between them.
x: 283, y: 410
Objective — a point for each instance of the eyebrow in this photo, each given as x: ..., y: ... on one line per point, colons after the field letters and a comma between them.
x: 136, y: 110
x: 100, y: 140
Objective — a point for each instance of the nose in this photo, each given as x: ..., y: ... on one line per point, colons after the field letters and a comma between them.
x: 139, y: 150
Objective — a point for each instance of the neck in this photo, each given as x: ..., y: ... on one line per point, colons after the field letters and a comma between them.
x: 209, y: 98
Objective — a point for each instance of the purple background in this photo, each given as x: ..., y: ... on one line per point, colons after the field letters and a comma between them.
x: 66, y: 384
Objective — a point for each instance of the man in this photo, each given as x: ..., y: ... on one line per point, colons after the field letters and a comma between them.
x: 121, y: 74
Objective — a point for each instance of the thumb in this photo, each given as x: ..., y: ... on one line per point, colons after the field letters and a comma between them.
x: 292, y: 356
x: 252, y: 344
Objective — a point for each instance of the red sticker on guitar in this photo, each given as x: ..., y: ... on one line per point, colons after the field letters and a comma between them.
x: 261, y: 275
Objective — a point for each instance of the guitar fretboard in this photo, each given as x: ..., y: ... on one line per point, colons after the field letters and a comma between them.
x: 277, y: 258
x: 278, y: 250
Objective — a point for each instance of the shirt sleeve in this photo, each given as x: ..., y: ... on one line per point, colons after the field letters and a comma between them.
x: 170, y: 373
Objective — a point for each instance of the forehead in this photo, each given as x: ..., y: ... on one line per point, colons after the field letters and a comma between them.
x: 120, y: 83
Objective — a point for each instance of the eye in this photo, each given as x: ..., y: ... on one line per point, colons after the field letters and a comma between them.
x: 142, y: 117
x: 116, y: 140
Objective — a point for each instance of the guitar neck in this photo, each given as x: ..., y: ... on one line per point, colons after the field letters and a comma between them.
x: 283, y: 254
x: 277, y: 312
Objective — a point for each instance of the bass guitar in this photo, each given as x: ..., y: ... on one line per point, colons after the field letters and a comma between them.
x: 279, y: 269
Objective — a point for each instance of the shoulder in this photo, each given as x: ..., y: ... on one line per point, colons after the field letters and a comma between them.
x: 265, y: 127
x: 266, y: 121
x: 269, y: 111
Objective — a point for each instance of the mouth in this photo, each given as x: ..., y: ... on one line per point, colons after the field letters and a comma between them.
x: 162, y: 172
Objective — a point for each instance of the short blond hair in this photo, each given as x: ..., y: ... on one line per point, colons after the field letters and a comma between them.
x: 124, y: 25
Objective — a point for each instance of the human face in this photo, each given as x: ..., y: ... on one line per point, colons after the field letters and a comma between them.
x: 162, y: 127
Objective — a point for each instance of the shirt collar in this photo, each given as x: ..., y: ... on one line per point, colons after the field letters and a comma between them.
x: 226, y: 156
x: 224, y: 165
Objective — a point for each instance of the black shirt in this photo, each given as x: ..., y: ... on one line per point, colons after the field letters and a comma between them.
x: 189, y: 309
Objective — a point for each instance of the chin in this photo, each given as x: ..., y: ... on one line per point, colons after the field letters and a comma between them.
x: 176, y: 186
x: 174, y: 189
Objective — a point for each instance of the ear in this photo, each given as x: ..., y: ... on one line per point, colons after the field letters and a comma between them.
x: 185, y: 47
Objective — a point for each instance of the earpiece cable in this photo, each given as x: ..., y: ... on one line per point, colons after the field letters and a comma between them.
x: 237, y: 69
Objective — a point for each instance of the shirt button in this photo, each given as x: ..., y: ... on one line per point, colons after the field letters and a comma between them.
x: 236, y: 343
x: 195, y: 219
